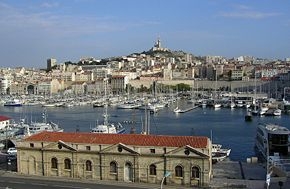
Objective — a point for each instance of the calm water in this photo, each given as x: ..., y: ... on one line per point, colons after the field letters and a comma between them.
x: 227, y: 126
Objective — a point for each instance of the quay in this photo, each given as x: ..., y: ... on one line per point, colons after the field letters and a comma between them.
x: 226, y: 174
x: 237, y: 174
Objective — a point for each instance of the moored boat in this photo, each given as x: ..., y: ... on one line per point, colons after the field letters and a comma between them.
x: 277, y: 112
x: 218, y: 156
x: 107, y: 127
x: 36, y: 127
x: 13, y: 102
x: 219, y: 153
x: 217, y: 148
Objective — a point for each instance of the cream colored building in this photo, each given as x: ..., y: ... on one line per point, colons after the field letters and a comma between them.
x: 117, y: 157
x: 4, y: 122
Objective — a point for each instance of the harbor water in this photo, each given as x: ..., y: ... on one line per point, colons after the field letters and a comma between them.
x: 224, y: 126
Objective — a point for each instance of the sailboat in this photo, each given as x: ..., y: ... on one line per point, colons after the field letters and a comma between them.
x: 216, y: 104
x: 255, y: 111
x: 177, y: 109
x: 107, y: 127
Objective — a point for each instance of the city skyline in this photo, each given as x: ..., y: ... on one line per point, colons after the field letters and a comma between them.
x: 33, y: 31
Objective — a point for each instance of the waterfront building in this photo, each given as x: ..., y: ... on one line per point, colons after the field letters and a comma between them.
x: 4, y: 122
x: 119, y: 83
x: 4, y: 83
x: 51, y: 62
x: 96, y: 87
x: 236, y: 75
x: 79, y: 87
x: 82, y: 76
x: 117, y: 157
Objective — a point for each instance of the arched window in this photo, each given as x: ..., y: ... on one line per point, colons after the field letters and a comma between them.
x: 152, y: 169
x: 67, y: 164
x: 53, y: 163
x: 113, y: 167
x: 88, y: 165
x: 194, y: 172
x: 178, y: 171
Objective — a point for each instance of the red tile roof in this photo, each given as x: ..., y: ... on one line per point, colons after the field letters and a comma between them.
x: 4, y: 118
x: 127, y: 139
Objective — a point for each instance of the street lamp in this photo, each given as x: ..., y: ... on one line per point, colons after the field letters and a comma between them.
x: 167, y: 174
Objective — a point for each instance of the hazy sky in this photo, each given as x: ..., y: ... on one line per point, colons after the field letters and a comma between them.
x: 33, y: 30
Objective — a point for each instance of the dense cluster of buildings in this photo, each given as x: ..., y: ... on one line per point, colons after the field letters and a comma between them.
x: 156, y: 64
x: 185, y: 160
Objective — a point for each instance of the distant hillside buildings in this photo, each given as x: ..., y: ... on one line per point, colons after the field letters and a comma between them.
x: 157, y: 64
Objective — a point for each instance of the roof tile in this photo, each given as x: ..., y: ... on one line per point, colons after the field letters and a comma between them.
x: 128, y: 139
x: 4, y: 118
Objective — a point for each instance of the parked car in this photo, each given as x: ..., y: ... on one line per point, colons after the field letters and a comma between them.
x: 12, y: 151
x: 11, y: 157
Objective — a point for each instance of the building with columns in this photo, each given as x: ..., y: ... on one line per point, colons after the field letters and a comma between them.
x: 117, y: 157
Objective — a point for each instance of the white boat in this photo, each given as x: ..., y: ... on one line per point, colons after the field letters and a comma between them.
x: 36, y: 127
x: 219, y: 153
x: 13, y: 102
x: 217, y: 105
x: 240, y: 104
x: 128, y: 106
x: 233, y: 105
x: 271, y: 139
x: 277, y: 112
x: 263, y: 110
x: 49, y: 105
x: 217, y: 148
x: 107, y: 127
x: 204, y: 103
x: 217, y: 157
x: 177, y: 110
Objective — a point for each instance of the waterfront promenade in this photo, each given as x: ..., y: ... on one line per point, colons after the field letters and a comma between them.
x: 237, y: 174
x: 227, y: 174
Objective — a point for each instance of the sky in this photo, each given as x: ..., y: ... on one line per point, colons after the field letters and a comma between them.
x: 32, y: 31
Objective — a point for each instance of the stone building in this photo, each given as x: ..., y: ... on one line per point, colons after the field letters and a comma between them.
x: 4, y: 122
x: 117, y: 157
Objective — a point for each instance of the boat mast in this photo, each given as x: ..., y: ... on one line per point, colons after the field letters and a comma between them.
x: 44, y: 116
x: 255, y: 94
x: 106, y: 103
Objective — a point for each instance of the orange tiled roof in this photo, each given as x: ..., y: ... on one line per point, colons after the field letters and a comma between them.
x: 128, y: 139
x: 4, y: 118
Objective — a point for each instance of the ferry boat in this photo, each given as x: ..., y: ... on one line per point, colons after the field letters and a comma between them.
x: 271, y: 139
x: 219, y: 153
x: 36, y: 127
x: 13, y: 102
x: 108, y: 128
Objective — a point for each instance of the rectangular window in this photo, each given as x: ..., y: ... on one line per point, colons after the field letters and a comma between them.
x: 88, y: 148
x: 31, y: 145
x: 152, y: 151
